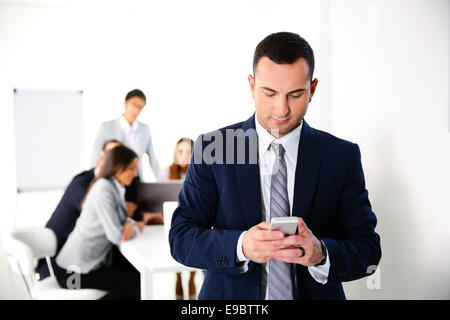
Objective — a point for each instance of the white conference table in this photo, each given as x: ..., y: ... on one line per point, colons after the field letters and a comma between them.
x: 149, y: 253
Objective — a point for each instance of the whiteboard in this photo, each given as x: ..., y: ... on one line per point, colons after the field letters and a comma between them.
x: 48, y: 138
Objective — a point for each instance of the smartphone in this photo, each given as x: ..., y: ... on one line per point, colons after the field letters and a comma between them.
x: 287, y: 225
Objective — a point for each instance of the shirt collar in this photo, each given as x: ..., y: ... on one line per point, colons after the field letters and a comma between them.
x: 126, y: 126
x: 289, y: 141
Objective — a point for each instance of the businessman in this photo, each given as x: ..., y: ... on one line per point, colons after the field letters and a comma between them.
x: 275, y: 165
x: 129, y: 131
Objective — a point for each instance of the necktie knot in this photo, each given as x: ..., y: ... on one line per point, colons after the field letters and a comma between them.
x: 278, y: 149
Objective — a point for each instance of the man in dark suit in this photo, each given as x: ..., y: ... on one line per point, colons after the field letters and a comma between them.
x: 275, y: 165
x: 63, y: 219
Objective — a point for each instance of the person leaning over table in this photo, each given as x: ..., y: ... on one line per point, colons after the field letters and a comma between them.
x: 103, y: 224
x: 177, y: 171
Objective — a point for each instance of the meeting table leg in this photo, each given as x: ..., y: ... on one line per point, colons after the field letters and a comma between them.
x: 146, y: 284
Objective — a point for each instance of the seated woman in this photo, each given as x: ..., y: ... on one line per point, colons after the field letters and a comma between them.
x: 177, y: 170
x: 90, y: 258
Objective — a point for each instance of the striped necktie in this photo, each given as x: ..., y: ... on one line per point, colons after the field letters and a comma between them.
x: 279, y: 277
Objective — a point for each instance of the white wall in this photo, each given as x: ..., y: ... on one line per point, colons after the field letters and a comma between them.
x: 390, y: 95
x: 191, y: 58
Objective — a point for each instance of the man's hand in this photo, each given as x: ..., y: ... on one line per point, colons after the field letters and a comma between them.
x: 288, y: 248
x: 152, y: 217
x: 257, y: 242
x: 128, y: 231
x: 131, y: 207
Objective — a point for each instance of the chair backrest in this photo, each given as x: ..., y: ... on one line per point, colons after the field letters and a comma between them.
x: 24, y: 246
x: 42, y: 241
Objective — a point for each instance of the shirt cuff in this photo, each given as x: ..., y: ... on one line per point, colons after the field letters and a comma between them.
x: 240, y: 257
x: 320, y: 273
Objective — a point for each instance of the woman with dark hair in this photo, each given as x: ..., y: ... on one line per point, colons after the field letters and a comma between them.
x: 87, y: 259
x: 177, y: 170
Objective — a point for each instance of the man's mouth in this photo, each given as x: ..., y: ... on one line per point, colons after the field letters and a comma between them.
x: 280, y: 120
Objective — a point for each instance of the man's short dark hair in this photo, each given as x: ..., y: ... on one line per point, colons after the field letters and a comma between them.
x: 136, y: 93
x: 284, y: 48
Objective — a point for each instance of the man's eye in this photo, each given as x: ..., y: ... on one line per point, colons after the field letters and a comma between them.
x: 295, y: 97
x: 269, y: 94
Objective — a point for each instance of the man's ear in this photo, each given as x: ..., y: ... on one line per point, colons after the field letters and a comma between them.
x: 313, y: 88
x: 251, y: 82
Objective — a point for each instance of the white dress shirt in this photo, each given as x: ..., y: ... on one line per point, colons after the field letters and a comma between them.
x: 266, y: 157
x: 130, y: 135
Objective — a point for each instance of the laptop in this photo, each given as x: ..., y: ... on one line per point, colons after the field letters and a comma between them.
x: 152, y: 195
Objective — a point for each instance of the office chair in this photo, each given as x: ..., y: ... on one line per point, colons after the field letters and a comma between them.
x: 24, y: 247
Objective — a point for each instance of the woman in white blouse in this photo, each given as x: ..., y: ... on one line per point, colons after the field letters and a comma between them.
x: 176, y: 171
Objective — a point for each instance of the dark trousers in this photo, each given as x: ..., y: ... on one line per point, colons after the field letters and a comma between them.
x: 121, y: 279
x: 131, y: 195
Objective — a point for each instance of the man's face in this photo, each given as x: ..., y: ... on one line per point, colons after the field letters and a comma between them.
x: 282, y: 93
x: 133, y: 108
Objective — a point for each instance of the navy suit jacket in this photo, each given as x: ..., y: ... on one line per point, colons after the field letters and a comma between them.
x: 220, y: 201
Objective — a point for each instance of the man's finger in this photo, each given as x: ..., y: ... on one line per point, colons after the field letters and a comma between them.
x: 287, y: 253
x: 291, y: 241
x: 268, y: 235
x: 302, y: 228
x: 297, y: 260
x: 264, y: 226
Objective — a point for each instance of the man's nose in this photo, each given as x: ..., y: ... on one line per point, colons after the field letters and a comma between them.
x: 281, y: 106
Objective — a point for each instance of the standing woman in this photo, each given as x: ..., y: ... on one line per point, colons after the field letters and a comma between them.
x: 176, y: 171
x: 87, y: 254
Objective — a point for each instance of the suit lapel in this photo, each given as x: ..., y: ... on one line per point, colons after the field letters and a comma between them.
x: 249, y: 182
x: 307, y: 171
